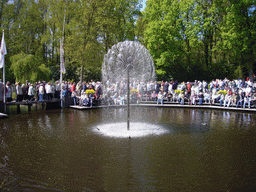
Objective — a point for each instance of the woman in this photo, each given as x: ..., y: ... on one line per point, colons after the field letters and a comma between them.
x: 48, y: 90
x: 160, y: 98
x: 31, y: 92
x: 41, y: 92
x: 19, y: 92
x: 9, y: 92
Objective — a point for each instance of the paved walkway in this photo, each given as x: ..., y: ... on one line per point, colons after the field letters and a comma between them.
x: 170, y: 105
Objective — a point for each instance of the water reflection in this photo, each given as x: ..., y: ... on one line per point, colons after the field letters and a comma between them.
x: 201, y: 150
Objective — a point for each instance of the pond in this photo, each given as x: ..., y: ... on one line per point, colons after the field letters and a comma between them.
x: 194, y: 150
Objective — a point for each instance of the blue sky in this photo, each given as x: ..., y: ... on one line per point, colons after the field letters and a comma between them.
x: 143, y: 4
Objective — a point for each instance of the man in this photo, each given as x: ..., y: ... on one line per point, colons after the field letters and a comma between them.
x: 157, y: 87
x: 26, y: 90
x: 188, y: 88
x: 240, y: 100
x: 186, y: 97
x: 166, y: 87
x: 57, y: 90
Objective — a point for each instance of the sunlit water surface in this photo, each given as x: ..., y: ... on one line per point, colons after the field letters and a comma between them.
x: 165, y: 150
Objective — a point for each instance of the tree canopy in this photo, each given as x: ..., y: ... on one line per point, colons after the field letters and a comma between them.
x: 201, y: 39
x: 89, y: 27
x: 190, y: 39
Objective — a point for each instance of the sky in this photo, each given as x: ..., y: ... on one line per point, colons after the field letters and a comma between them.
x: 143, y: 4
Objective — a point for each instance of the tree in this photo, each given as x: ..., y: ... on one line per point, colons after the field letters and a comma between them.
x: 164, y: 39
x: 238, y: 33
x: 91, y: 28
x: 200, y: 39
x: 29, y: 67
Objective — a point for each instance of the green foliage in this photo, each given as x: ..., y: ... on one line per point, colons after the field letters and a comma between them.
x: 199, y: 39
x: 189, y: 39
x: 27, y: 67
x: 90, y: 29
x: 238, y: 73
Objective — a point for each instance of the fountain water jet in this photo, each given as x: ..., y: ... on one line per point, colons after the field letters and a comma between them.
x: 130, y: 58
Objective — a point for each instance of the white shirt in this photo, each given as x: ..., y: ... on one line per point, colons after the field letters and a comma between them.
x: 41, y: 89
x: 31, y: 90
x: 48, y: 89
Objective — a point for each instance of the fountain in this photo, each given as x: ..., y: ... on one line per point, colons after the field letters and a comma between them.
x: 134, y: 60
x: 128, y: 57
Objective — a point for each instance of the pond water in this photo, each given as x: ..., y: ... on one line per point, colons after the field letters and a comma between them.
x: 192, y: 150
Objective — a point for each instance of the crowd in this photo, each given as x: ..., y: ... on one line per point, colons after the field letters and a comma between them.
x: 223, y: 92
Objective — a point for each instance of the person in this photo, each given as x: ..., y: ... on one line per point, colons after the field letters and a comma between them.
x: 85, y: 87
x: 31, y: 92
x: 160, y: 98
x: 181, y: 97
x: 193, y: 98
x: 186, y: 97
x: 48, y: 90
x: 91, y: 99
x: 166, y: 87
x: 154, y: 96
x: 57, y: 90
x: 227, y: 100
x: 41, y: 92
x: 174, y: 85
x: 1, y: 96
x: 73, y: 87
x: 240, y: 100
x: 170, y: 88
x: 19, y: 92
x: 84, y: 100
x: 9, y: 92
x: 215, y: 97
x: 157, y: 87
x: 222, y: 98
x: 74, y: 96
x: 247, y: 99
x: 201, y: 98
x: 64, y: 91
x: 37, y: 85
x: 23, y: 88
x: 207, y: 97
x: 121, y: 99
x: 188, y: 87
x: 26, y: 90
x: 169, y: 96
x: 53, y: 91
